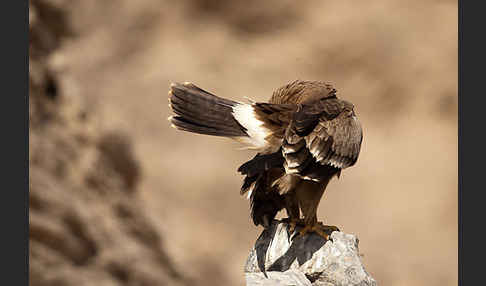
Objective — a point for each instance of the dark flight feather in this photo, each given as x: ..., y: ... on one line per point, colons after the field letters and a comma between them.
x: 265, y: 201
x: 258, y: 166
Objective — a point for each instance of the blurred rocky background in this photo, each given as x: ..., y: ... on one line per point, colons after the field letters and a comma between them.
x: 117, y: 197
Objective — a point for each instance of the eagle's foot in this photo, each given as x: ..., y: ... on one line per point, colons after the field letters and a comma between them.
x: 293, y: 224
x: 319, y: 228
x: 328, y: 228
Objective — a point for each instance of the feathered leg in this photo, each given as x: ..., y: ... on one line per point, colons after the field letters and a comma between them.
x: 293, y: 211
x: 309, y: 194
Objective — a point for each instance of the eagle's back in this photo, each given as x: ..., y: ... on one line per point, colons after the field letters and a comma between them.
x: 300, y: 91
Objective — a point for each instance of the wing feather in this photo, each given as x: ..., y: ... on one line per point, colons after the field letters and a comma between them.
x: 346, y: 133
x: 332, y: 140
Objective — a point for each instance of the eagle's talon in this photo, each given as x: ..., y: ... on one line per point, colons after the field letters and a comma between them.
x: 293, y: 224
x: 319, y: 228
x: 329, y: 228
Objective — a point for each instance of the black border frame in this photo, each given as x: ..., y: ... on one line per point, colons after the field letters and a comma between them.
x: 15, y: 124
x: 471, y: 64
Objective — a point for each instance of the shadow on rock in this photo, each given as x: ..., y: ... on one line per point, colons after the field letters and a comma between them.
x: 301, y: 248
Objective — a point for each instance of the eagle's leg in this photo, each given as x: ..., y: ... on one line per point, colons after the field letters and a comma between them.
x: 293, y: 211
x: 309, y: 195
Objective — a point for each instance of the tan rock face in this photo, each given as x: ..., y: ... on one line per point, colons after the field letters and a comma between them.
x: 87, y: 226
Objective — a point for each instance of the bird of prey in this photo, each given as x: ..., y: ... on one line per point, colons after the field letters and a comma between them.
x: 304, y: 136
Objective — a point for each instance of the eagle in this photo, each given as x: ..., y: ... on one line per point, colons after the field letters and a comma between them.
x: 304, y: 136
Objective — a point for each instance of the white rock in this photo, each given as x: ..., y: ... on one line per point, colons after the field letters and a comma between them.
x: 282, y: 258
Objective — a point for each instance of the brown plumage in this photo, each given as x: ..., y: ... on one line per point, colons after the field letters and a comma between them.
x: 304, y: 137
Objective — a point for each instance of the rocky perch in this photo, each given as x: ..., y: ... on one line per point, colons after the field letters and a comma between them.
x: 280, y: 258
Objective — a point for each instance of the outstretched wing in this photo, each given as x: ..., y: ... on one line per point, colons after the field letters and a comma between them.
x: 321, y: 140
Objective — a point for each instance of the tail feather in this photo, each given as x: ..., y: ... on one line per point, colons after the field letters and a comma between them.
x: 201, y: 112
